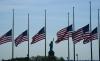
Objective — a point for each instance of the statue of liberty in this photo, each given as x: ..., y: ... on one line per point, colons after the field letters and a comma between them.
x: 51, y: 52
x: 51, y: 45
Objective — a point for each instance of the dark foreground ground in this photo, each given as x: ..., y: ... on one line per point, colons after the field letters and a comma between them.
x: 38, y: 58
x: 42, y: 58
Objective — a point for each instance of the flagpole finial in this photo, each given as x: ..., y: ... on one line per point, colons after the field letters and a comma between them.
x: 45, y: 10
x: 53, y: 39
x: 68, y: 12
x: 28, y: 13
x: 68, y: 18
x: 90, y: 2
x: 73, y: 7
x: 98, y: 9
x: 13, y: 9
x: 28, y: 16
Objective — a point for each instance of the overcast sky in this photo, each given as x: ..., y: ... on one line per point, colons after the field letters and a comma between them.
x: 56, y: 19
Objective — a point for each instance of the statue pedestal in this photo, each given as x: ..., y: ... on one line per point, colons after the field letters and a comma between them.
x: 51, y: 53
x: 51, y: 56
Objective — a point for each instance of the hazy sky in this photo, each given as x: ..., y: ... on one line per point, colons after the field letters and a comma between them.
x: 56, y: 19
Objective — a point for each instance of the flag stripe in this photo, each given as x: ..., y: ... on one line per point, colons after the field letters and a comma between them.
x: 21, y: 38
x: 5, y: 41
x: 81, y: 34
x: 39, y: 36
x: 77, y: 35
x: 7, y: 37
x: 93, y: 36
x: 64, y: 34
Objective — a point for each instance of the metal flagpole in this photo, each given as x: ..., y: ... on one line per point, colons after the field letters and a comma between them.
x: 53, y: 39
x: 99, y: 33
x: 13, y: 37
x: 90, y: 31
x: 77, y: 56
x: 73, y: 31
x: 45, y: 34
x: 68, y: 41
x: 28, y: 37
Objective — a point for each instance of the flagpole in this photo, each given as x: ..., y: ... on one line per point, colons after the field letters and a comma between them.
x: 73, y: 31
x: 45, y: 34
x: 77, y: 56
x: 68, y: 41
x: 90, y: 31
x: 53, y: 40
x: 13, y: 37
x: 28, y: 37
x: 99, y: 34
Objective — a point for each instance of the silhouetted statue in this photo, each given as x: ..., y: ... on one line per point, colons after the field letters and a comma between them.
x: 51, y: 52
x: 51, y: 46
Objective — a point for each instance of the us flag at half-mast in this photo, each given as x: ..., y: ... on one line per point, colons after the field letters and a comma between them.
x: 64, y: 34
x: 7, y: 37
x: 21, y: 38
x: 86, y: 32
x: 81, y: 34
x: 39, y: 36
x: 77, y: 36
x: 93, y: 36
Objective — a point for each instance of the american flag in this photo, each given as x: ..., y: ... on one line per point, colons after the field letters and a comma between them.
x: 21, y: 38
x: 86, y: 33
x: 77, y: 36
x: 7, y: 37
x: 93, y: 36
x: 81, y: 34
x: 64, y: 34
x: 39, y: 36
